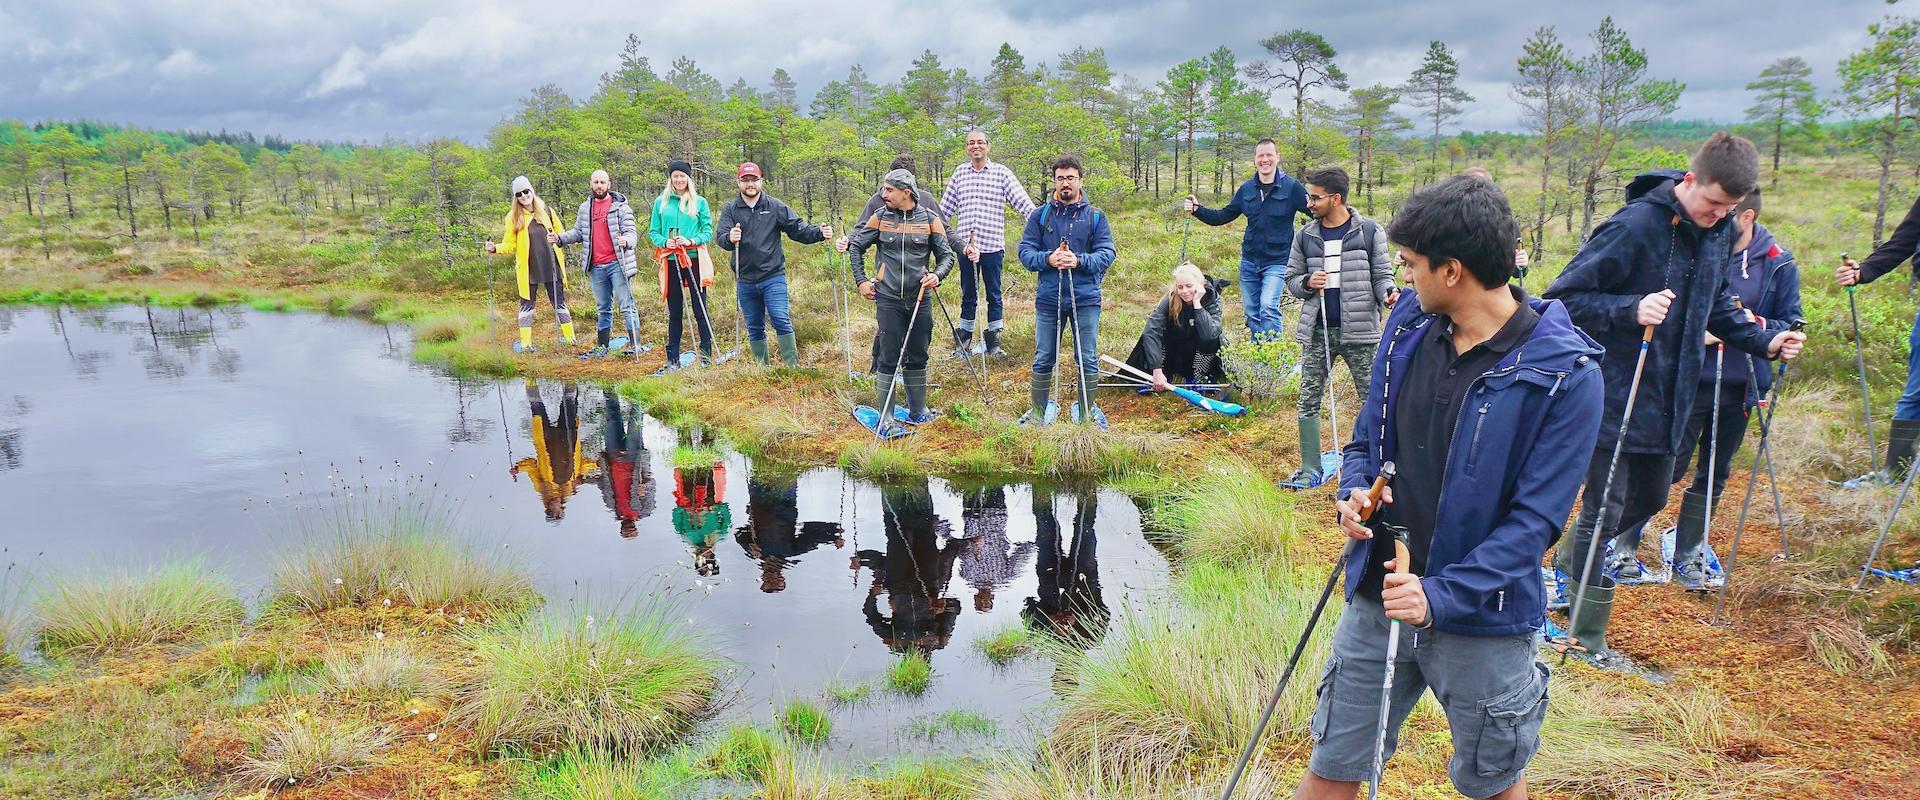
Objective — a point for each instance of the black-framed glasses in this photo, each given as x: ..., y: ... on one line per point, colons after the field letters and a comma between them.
x: 523, y: 193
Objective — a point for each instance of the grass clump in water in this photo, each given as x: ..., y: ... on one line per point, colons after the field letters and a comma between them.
x: 911, y: 675
x: 955, y: 721
x: 745, y: 753
x: 846, y: 694
x: 1233, y: 516
x: 297, y: 750
x: 806, y: 722
x: 406, y: 556
x: 1004, y: 646
x: 177, y: 603
x: 696, y: 456
x: 878, y: 461
x: 631, y: 680
x: 439, y: 329
x: 587, y: 774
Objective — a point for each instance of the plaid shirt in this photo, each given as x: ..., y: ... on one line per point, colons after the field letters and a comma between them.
x: 973, y: 200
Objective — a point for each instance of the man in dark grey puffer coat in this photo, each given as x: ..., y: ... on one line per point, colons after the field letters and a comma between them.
x: 1339, y: 265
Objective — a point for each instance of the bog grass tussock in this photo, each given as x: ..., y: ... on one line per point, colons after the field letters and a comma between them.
x: 293, y: 750
x: 122, y: 609
x: 409, y: 555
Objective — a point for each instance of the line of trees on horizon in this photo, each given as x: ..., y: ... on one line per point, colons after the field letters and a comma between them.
x: 1592, y: 113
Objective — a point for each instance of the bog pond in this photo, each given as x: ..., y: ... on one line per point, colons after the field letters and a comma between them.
x: 132, y: 436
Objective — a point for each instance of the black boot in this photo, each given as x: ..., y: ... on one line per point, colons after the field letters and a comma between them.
x: 1689, y: 541
x: 992, y: 340
x: 916, y: 380
x: 963, y: 346
x: 1900, y: 447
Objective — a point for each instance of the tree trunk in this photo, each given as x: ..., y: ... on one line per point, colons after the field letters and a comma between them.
x: 133, y: 224
x: 66, y: 183
x: 1546, y: 170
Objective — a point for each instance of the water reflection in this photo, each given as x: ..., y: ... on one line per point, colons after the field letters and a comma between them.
x: 913, y: 573
x: 700, y: 511
x: 1069, y: 604
x: 988, y: 560
x: 555, y: 467
x: 774, y: 534
x: 626, y: 482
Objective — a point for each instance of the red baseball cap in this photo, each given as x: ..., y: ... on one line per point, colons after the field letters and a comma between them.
x: 749, y: 168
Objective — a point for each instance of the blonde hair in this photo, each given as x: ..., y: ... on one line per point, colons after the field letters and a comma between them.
x: 689, y: 202
x: 1175, y: 306
x: 518, y: 218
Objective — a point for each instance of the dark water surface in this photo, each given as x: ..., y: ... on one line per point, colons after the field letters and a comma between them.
x: 132, y: 436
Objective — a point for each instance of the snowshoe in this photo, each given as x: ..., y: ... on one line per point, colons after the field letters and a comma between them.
x: 902, y: 415
x: 1051, y: 416
x: 598, y: 351
x: 888, y: 430
x: 523, y: 347
x: 1555, y: 581
x: 1099, y: 417
x: 1330, y: 462
x: 1304, y: 479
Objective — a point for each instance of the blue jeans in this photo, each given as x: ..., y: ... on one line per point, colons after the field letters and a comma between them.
x: 1909, y: 405
x: 1260, y: 291
x: 766, y: 300
x: 1047, y: 325
x: 989, y: 270
x: 610, y: 284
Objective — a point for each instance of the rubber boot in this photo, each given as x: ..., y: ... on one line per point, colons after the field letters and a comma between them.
x: 991, y: 339
x: 916, y: 380
x: 1900, y: 447
x: 1089, y: 411
x: 964, y: 344
x: 1040, y: 390
x: 1310, y: 444
x: 706, y: 354
x: 1596, y: 612
x: 1691, y: 530
x: 884, y: 394
x: 789, y: 349
x: 602, y: 335
x: 759, y: 348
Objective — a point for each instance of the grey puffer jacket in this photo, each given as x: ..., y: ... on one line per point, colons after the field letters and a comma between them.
x: 1366, y: 279
x: 911, y: 243
x: 620, y: 224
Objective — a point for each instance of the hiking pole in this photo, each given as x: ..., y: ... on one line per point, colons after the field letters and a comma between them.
x: 1905, y: 486
x: 703, y: 321
x: 1333, y: 410
x: 979, y: 373
x: 844, y: 305
x: 1586, y: 570
x: 1860, y: 364
x: 1184, y: 232
x: 1339, y: 566
x: 1753, y: 475
x: 1073, y: 318
x: 1713, y: 447
x: 1402, y: 565
x: 906, y: 338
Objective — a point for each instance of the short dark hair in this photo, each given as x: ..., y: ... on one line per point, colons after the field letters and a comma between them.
x: 902, y: 161
x: 1332, y: 179
x: 1267, y: 140
x: 1464, y: 219
x: 1728, y: 160
x: 1068, y: 162
x: 1750, y: 202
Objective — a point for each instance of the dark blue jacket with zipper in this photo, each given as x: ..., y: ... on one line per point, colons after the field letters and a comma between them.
x: 1269, y: 237
x: 1766, y: 279
x: 1088, y: 237
x: 1648, y: 245
x: 1519, y: 454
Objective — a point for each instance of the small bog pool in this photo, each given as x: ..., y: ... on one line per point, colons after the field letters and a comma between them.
x: 132, y: 435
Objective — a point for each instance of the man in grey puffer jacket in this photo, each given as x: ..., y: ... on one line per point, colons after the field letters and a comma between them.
x: 1339, y: 265
x: 605, y: 223
x: 913, y: 256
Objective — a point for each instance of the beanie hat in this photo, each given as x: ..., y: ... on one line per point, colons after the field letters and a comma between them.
x: 677, y: 165
x: 901, y: 179
x: 521, y: 184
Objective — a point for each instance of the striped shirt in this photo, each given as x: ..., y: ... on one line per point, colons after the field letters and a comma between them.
x: 974, y: 198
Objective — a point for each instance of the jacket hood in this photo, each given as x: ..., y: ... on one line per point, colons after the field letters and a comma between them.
x: 1763, y: 246
x: 1313, y: 230
x: 1656, y: 186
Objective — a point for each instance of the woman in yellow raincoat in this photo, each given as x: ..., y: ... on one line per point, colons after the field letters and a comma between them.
x: 531, y: 233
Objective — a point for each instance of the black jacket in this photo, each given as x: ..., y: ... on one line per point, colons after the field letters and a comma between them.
x: 909, y: 245
x: 1648, y: 245
x: 758, y: 256
x: 1201, y: 323
x: 1903, y: 245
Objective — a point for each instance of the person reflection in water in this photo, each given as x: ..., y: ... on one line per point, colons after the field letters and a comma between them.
x: 626, y: 483
x: 987, y: 560
x: 774, y: 534
x: 700, y: 512
x: 913, y: 572
x: 556, y: 467
x: 1069, y: 606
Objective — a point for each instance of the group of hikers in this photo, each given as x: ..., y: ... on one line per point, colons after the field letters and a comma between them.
x: 1507, y: 405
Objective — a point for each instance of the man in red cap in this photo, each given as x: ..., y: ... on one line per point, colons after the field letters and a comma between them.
x: 750, y: 227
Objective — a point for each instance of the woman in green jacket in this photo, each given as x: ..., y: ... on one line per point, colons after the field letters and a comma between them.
x: 682, y: 224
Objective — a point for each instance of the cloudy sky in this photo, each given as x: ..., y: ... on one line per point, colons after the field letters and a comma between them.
x: 365, y: 69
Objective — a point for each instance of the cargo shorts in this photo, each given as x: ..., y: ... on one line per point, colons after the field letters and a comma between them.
x: 1492, y: 689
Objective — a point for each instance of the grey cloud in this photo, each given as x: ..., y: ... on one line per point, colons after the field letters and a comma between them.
x: 361, y: 70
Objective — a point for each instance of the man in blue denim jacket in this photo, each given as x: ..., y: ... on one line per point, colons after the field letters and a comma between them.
x: 1488, y: 402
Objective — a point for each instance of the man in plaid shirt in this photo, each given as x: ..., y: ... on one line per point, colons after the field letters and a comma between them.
x: 973, y: 200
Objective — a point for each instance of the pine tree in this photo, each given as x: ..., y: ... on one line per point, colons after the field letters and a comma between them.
x: 1435, y: 87
x: 1785, y: 103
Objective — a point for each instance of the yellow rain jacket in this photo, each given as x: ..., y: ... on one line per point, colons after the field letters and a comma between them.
x: 514, y: 243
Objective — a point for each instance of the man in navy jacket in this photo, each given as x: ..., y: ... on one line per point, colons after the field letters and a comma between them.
x: 1269, y: 200
x: 1658, y: 263
x: 1901, y: 247
x: 1068, y: 244
x: 1487, y: 401
x: 1767, y: 281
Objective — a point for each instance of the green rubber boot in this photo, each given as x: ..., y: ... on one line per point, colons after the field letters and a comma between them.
x: 1310, y: 444
x: 789, y: 349
x: 759, y: 348
x: 1596, y: 611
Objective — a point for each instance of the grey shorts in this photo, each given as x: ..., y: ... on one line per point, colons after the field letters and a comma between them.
x: 1493, y: 692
